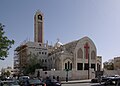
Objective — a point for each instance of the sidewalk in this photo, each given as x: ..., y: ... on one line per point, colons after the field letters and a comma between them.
x: 76, y: 81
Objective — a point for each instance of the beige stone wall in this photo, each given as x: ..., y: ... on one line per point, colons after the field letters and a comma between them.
x: 32, y: 49
x: 72, y: 75
x: 117, y: 63
x: 83, y: 60
x: 111, y: 72
x: 99, y: 61
x: 70, y: 53
x: 37, y: 28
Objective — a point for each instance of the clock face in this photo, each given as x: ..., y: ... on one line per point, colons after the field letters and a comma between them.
x: 40, y: 17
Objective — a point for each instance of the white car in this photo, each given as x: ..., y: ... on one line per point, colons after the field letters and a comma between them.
x: 9, y: 83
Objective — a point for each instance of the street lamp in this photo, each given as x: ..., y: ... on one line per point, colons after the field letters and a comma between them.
x: 66, y: 74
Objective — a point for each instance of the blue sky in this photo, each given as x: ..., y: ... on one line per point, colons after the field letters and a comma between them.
x: 67, y: 20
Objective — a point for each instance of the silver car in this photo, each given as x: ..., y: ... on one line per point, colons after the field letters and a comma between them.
x: 9, y: 83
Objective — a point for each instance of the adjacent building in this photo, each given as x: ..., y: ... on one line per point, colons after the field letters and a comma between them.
x: 112, y: 64
x: 29, y: 50
x: 32, y: 49
x: 9, y: 70
x: 117, y: 63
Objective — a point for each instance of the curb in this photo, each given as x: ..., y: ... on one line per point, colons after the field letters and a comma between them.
x: 75, y: 82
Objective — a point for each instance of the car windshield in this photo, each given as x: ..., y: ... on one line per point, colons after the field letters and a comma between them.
x: 24, y: 77
x: 34, y: 81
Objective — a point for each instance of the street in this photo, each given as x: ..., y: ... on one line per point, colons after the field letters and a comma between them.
x: 79, y: 84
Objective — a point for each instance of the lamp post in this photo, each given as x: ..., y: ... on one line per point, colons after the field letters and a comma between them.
x: 67, y: 74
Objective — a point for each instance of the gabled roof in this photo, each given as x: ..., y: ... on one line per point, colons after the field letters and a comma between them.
x: 69, y: 47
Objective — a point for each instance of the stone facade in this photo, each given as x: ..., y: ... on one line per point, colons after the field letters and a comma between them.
x: 117, y: 63
x: 10, y: 70
x: 77, y: 56
x: 39, y: 27
x: 73, y: 56
x: 29, y: 50
x: 72, y: 75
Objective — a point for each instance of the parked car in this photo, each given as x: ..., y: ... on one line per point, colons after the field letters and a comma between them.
x: 9, y: 83
x: 35, y: 82
x: 105, y: 78
x: 110, y: 81
x: 95, y: 80
x: 23, y: 79
x: 48, y: 82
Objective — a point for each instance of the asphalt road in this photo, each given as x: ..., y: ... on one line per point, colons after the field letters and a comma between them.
x: 79, y: 84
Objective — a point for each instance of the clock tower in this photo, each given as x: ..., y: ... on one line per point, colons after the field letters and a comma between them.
x: 38, y: 27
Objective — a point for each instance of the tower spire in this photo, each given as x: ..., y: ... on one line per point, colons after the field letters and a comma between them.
x: 38, y: 27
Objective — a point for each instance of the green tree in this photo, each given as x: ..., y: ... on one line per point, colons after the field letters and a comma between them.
x: 5, y: 43
x: 108, y: 65
x: 33, y: 63
x: 7, y: 73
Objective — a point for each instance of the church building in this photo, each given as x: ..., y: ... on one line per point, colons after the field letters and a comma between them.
x: 78, y: 56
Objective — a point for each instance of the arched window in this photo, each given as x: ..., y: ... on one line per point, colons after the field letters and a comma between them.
x: 42, y: 60
x: 65, y: 65
x: 68, y: 65
x: 93, y: 55
x: 80, y: 53
x: 45, y: 60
